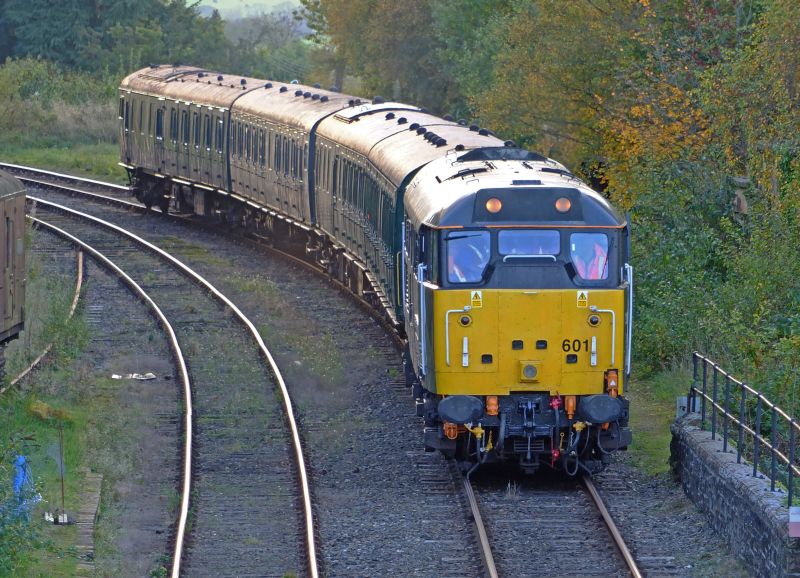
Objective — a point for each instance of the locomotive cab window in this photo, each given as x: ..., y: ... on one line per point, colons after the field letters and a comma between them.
x: 532, y: 244
x: 589, y: 255
x: 467, y: 256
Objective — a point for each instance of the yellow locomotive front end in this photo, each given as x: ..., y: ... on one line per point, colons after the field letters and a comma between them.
x: 537, y: 361
x: 520, y: 328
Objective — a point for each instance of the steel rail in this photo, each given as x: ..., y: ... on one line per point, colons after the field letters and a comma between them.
x: 480, y: 529
x: 182, y: 370
x: 14, y: 168
x: 612, y: 528
x: 287, y: 402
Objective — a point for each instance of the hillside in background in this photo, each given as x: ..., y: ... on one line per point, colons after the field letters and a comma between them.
x: 234, y: 9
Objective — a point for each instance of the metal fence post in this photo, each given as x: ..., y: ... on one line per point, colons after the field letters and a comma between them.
x: 757, y: 437
x: 703, y: 400
x: 740, y: 442
x: 693, y: 389
x: 772, y: 447
x: 791, y: 460
x: 725, y: 413
x: 714, y: 405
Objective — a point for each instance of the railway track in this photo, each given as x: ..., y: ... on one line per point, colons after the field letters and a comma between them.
x: 547, y: 529
x: 242, y: 469
x: 421, y: 530
x: 432, y: 536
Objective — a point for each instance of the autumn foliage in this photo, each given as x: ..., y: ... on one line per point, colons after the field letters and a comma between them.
x: 686, y: 112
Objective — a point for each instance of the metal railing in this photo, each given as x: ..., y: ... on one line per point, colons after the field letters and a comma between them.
x: 757, y: 424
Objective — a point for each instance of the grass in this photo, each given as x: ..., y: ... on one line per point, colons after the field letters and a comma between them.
x: 652, y: 412
x: 98, y: 161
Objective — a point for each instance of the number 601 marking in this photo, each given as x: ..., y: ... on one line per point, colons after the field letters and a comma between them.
x: 574, y: 345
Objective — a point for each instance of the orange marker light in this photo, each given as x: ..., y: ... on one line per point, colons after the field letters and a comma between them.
x: 450, y: 430
x: 569, y: 405
x: 612, y: 382
x: 494, y: 205
x: 563, y: 205
x: 492, y: 407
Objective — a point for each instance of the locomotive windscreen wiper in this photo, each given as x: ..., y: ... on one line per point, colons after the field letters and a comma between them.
x: 454, y: 237
x: 524, y: 256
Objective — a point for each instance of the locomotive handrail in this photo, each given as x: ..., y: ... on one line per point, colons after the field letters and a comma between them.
x: 422, y: 319
x: 629, y: 328
x: 464, y: 309
x: 594, y: 309
x: 781, y: 450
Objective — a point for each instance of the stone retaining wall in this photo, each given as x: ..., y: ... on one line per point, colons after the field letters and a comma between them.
x: 753, y: 520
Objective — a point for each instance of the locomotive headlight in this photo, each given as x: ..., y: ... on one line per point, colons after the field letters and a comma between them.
x: 529, y: 371
x: 563, y: 204
x: 494, y: 205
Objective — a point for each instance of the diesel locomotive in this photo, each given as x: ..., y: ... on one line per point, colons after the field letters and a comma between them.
x: 507, y: 275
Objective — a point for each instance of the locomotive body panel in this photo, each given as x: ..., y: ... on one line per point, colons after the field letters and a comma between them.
x: 486, y: 349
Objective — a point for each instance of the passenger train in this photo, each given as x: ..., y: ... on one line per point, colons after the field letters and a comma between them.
x: 507, y: 275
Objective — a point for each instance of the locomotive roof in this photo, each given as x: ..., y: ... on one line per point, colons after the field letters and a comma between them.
x: 451, y: 192
x: 297, y: 106
x: 190, y: 84
x: 9, y: 186
x: 393, y: 137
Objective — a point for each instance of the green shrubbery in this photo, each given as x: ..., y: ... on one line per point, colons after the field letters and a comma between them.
x: 44, y: 106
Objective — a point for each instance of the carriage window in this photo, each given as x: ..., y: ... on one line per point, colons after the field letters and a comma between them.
x: 522, y: 242
x: 196, y: 125
x: 127, y: 115
x: 141, y: 114
x: 247, y: 143
x: 467, y: 256
x: 173, y: 125
x: 207, y: 131
x: 121, y: 107
x: 239, y: 139
x: 263, y: 150
x: 160, y: 124
x: 589, y: 254
x: 220, y: 134
x: 185, y: 120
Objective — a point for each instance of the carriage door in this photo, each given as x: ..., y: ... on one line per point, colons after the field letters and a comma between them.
x: 158, y: 149
x: 417, y: 273
x: 125, y: 126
